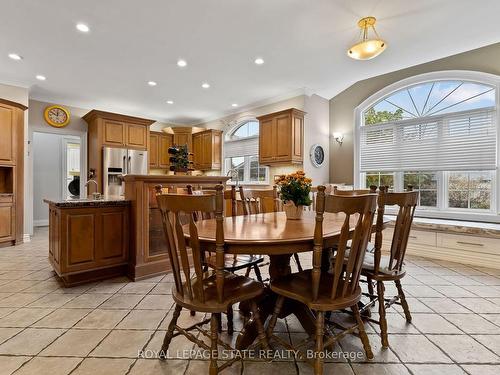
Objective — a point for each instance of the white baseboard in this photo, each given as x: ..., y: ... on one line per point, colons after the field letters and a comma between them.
x: 40, y: 223
x: 26, y: 237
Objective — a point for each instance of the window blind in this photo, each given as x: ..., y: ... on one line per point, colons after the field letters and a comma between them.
x: 243, y: 147
x: 458, y: 141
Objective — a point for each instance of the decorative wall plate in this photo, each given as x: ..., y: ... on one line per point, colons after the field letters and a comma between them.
x: 317, y: 155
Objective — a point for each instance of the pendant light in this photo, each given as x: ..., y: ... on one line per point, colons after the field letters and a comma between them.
x: 367, y: 48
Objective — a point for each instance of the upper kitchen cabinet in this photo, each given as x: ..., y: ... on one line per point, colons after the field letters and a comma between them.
x: 207, y: 150
x: 158, y: 149
x: 281, y: 137
x: 183, y: 136
x: 112, y: 129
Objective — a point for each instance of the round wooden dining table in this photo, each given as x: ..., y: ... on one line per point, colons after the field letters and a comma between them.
x: 274, y: 235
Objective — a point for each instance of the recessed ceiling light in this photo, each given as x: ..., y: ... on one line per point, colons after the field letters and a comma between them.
x: 152, y: 83
x: 170, y: 102
x: 40, y: 77
x: 205, y: 85
x: 234, y: 105
x: 82, y: 27
x: 181, y: 63
x: 15, y: 56
x: 259, y: 61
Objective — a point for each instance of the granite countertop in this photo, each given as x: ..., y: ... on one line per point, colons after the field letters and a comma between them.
x: 475, y: 228
x: 89, y: 202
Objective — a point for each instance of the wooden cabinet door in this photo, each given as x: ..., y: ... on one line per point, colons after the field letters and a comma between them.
x: 166, y: 141
x: 181, y: 139
x: 54, y: 239
x: 297, y: 137
x: 114, y: 132
x: 216, y: 150
x: 206, y: 150
x: 198, y: 151
x: 113, y: 235
x: 6, y: 222
x: 266, y: 140
x: 80, y: 240
x: 7, y: 134
x: 137, y: 136
x: 154, y: 150
x: 282, y: 138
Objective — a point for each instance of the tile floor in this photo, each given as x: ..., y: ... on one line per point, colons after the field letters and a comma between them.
x: 99, y: 328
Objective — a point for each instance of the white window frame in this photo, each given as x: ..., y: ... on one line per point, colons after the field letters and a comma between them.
x: 246, y: 171
x: 442, y: 211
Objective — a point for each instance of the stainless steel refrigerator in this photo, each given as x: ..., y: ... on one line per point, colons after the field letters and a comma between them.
x: 121, y: 161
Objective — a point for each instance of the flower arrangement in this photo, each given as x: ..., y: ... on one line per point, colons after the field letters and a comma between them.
x: 295, y: 189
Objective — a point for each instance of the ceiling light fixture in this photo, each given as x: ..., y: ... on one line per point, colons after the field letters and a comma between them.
x: 205, y: 85
x: 259, y: 61
x: 40, y: 77
x: 367, y: 48
x: 15, y: 56
x: 234, y: 105
x: 82, y: 27
x: 152, y: 83
x: 181, y: 63
x: 170, y: 102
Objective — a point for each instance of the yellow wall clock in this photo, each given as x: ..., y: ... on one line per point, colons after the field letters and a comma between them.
x: 56, y: 116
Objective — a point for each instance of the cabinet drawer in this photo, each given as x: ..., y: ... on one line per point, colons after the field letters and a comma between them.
x: 471, y: 243
x: 417, y: 237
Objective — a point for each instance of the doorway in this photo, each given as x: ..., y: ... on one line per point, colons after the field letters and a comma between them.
x: 57, y: 167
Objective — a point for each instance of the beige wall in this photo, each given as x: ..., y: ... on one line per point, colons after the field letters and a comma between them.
x: 486, y: 59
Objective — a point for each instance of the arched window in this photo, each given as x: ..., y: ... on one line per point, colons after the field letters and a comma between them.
x: 439, y: 136
x: 241, y: 153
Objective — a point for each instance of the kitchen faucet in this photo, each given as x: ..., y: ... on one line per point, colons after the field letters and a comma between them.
x: 233, y: 173
x: 96, y: 186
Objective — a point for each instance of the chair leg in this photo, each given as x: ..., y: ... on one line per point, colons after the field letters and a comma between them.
x: 260, y: 327
x: 320, y: 328
x: 257, y: 272
x: 381, y: 313
x: 370, y: 286
x: 214, y: 325
x: 247, y: 272
x: 404, y: 303
x: 230, y: 325
x: 274, y: 317
x: 170, y: 332
x: 297, y: 261
x: 362, y: 333
x: 219, y: 322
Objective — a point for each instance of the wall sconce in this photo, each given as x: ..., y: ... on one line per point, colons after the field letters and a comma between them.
x: 339, y: 137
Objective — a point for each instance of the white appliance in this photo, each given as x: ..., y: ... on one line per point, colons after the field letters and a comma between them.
x: 121, y: 161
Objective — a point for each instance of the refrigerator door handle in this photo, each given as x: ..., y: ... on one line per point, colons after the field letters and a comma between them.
x: 128, y: 166
x: 124, y: 168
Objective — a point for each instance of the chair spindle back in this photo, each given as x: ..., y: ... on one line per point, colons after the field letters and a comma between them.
x: 172, y: 207
x: 348, y: 263
x: 407, y: 203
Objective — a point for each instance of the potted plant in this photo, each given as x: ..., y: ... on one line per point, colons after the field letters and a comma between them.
x: 295, y: 189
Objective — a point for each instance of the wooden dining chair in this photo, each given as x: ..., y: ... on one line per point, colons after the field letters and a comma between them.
x: 208, y: 292
x: 322, y: 291
x: 262, y: 201
x: 232, y: 262
x: 382, y: 268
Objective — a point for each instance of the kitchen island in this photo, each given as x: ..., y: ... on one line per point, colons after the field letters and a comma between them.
x: 89, y: 238
x: 148, y: 249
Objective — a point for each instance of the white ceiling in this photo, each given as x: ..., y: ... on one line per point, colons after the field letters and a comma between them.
x: 303, y: 43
